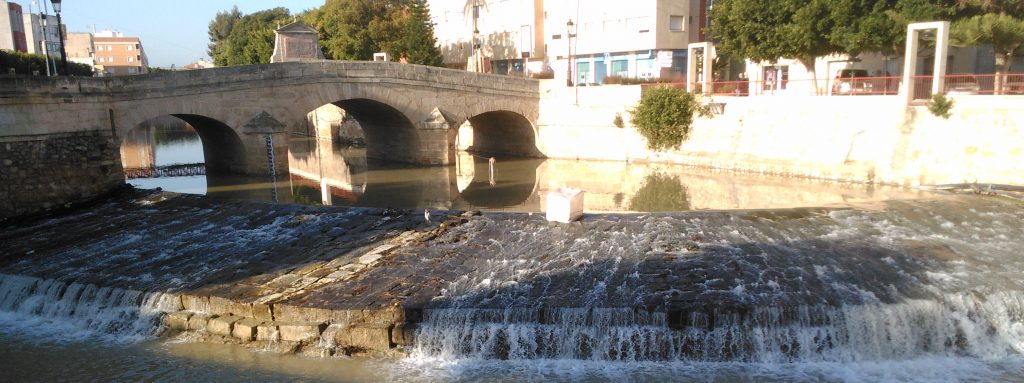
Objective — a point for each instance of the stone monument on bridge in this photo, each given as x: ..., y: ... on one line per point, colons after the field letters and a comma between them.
x: 296, y: 42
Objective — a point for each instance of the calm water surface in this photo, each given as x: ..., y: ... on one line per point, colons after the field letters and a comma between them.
x: 323, y: 173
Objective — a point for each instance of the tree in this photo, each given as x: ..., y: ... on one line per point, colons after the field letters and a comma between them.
x: 766, y: 30
x: 417, y: 39
x: 251, y: 40
x: 220, y: 29
x: 664, y: 116
x: 348, y: 27
x: 999, y: 23
x: 881, y: 25
x: 356, y: 29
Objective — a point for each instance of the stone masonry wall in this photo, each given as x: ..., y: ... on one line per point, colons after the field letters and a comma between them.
x: 45, y: 171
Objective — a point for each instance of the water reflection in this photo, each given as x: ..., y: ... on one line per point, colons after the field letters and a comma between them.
x: 324, y: 173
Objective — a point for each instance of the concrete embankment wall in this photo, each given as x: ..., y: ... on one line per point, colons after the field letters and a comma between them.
x: 858, y: 138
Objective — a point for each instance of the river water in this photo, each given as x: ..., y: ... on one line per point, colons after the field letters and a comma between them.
x: 907, y: 294
x: 323, y: 173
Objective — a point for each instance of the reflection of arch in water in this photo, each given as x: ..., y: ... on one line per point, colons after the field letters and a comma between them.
x: 322, y: 171
x: 515, y: 185
x: 504, y: 133
x: 223, y: 151
x: 389, y: 133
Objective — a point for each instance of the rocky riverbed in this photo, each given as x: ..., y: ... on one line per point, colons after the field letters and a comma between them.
x: 806, y: 284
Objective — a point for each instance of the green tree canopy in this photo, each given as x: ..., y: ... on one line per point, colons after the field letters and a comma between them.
x: 220, y: 29
x: 417, y: 39
x: 356, y: 29
x: 251, y: 40
x: 999, y: 23
x: 766, y: 30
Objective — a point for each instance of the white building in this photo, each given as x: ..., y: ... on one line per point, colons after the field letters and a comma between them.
x: 637, y: 39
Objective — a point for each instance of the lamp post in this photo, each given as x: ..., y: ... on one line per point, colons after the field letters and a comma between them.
x: 60, y: 35
x: 568, y: 52
x: 476, y: 50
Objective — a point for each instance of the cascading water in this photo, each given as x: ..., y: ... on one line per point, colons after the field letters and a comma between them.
x: 77, y: 311
x: 809, y: 287
x: 963, y: 325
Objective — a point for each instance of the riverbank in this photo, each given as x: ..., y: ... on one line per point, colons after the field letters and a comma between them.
x: 382, y: 282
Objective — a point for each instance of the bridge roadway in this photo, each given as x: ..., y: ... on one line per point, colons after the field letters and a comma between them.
x: 409, y: 113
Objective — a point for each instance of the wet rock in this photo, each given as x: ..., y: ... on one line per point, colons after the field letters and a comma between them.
x: 245, y: 329
x: 366, y: 336
x: 403, y: 334
x: 222, y: 325
x: 177, y: 320
x: 198, y: 304
x: 369, y: 258
x: 199, y: 321
x: 268, y: 332
x: 300, y: 332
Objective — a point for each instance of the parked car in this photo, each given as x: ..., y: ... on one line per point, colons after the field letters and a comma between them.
x: 959, y: 84
x: 852, y: 81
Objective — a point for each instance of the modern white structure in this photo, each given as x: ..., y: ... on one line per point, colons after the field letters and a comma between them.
x: 601, y: 38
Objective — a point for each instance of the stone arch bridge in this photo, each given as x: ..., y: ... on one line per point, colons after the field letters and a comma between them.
x: 409, y: 113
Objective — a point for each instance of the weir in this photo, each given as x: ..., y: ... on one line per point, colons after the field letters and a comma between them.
x: 893, y: 281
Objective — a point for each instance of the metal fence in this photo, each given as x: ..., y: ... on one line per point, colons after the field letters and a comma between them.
x: 166, y: 171
x: 955, y: 84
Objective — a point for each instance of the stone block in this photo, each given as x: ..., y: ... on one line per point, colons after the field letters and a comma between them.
x: 195, y: 303
x: 245, y: 329
x: 177, y: 320
x: 403, y: 334
x: 565, y: 205
x: 369, y: 258
x: 300, y: 332
x: 222, y: 325
x: 224, y: 306
x: 199, y: 322
x: 262, y: 312
x: 268, y: 332
x: 366, y: 336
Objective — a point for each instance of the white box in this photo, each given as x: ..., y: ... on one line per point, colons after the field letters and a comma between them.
x: 565, y: 205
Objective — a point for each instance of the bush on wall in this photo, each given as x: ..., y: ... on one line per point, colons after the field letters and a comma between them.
x: 664, y: 116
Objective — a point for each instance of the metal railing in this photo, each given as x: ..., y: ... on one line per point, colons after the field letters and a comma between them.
x: 955, y: 84
x: 166, y: 171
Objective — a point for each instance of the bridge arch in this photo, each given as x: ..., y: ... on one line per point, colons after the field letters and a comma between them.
x: 223, y: 150
x: 504, y: 132
x: 389, y: 133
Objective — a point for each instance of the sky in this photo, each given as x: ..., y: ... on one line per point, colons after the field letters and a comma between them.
x: 172, y: 32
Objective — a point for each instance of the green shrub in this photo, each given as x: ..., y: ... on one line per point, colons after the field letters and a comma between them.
x: 25, y: 63
x: 617, y: 121
x: 940, y: 106
x: 664, y: 116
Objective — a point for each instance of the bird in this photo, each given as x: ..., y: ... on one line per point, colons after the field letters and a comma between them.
x: 426, y: 215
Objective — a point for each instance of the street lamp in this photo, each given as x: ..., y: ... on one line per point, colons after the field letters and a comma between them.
x: 476, y: 50
x: 60, y: 35
x: 568, y: 52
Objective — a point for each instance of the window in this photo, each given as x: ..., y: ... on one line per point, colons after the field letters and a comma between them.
x: 130, y: 48
x: 675, y: 23
x: 131, y: 59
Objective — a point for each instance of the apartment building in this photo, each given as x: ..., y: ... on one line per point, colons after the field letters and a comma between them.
x: 601, y: 38
x: 80, y: 48
x: 12, y: 28
x: 117, y: 55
